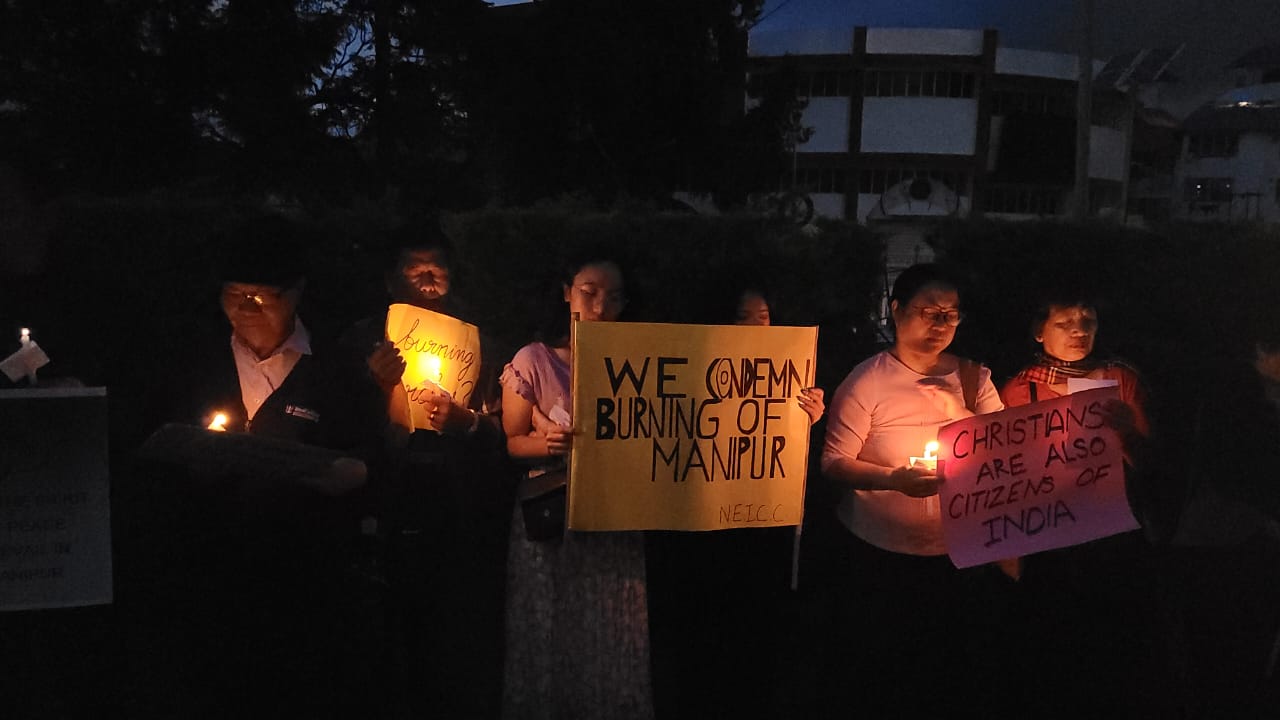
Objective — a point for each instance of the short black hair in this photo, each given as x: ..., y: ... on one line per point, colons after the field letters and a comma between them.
x: 586, y: 257
x: 421, y: 235
x: 264, y: 250
x: 554, y: 325
x: 744, y: 291
x: 916, y: 277
x: 1059, y: 296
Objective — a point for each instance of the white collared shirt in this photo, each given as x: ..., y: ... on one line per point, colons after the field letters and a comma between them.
x: 260, y: 378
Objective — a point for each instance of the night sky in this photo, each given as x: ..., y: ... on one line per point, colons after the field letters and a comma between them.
x: 1216, y: 32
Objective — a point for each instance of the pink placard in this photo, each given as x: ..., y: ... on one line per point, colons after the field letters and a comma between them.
x: 1033, y: 478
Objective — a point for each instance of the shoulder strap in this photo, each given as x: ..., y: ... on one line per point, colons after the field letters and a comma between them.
x: 969, y: 370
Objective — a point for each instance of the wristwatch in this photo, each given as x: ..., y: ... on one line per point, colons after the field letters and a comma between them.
x: 475, y: 423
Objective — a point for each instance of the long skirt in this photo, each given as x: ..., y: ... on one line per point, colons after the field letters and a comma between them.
x: 577, y: 628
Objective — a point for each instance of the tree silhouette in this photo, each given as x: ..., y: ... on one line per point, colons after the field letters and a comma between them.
x: 446, y: 102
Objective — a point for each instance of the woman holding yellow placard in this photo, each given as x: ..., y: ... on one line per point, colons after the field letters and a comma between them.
x: 577, y: 616
x: 753, y: 309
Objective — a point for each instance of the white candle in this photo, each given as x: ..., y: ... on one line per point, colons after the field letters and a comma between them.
x: 930, y: 459
x: 29, y: 346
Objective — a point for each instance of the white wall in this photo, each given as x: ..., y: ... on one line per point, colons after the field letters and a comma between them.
x: 828, y: 205
x: 923, y: 41
x: 945, y: 126
x: 1036, y: 63
x: 1106, y: 154
x: 1258, y: 161
x: 829, y: 118
x: 1254, y: 169
x: 867, y: 202
x: 800, y: 41
x: 993, y: 142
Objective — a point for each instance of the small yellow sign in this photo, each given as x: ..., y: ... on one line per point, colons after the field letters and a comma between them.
x: 442, y: 355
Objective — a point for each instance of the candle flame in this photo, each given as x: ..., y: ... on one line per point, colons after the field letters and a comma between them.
x: 219, y: 423
x: 431, y: 368
x: 931, y: 450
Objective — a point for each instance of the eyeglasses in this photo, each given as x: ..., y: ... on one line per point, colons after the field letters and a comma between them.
x: 593, y: 294
x: 237, y: 298
x: 936, y: 316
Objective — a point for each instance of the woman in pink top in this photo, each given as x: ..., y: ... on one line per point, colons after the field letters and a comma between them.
x: 900, y: 603
x: 577, y: 623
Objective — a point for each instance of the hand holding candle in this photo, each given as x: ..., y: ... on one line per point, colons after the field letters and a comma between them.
x: 26, y: 360
x: 930, y: 459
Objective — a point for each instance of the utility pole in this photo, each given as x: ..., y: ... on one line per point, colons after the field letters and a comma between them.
x: 1084, y: 111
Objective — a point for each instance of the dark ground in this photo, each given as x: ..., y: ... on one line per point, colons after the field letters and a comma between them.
x: 718, y: 652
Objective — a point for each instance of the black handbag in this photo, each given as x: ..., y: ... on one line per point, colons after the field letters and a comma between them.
x: 543, y: 500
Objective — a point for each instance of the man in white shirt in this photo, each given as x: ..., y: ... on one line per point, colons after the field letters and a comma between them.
x: 281, y: 388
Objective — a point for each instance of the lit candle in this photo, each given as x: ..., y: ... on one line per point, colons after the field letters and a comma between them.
x: 431, y: 368
x: 32, y: 350
x: 930, y: 459
x: 219, y: 423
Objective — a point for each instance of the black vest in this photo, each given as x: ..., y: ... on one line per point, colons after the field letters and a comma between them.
x: 295, y: 410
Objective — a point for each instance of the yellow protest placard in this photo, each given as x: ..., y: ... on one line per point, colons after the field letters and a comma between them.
x: 688, y: 427
x: 441, y: 353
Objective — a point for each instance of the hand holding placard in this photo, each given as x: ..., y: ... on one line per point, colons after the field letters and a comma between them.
x: 386, y: 366
x: 435, y: 353
x: 556, y: 428
x: 1033, y: 478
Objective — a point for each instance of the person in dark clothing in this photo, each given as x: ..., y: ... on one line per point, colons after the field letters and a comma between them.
x: 253, y: 564
x: 439, y: 497
x: 717, y: 638
x: 1225, y: 519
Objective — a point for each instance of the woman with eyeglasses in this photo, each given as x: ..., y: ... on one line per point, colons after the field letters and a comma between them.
x: 577, y: 614
x: 897, y: 595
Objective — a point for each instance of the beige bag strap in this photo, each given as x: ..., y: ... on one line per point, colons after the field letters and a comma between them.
x: 969, y: 370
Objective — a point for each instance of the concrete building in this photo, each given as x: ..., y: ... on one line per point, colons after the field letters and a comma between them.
x: 915, y: 123
x: 1228, y: 166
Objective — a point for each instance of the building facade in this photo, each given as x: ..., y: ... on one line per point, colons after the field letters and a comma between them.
x: 1229, y: 162
x: 928, y: 122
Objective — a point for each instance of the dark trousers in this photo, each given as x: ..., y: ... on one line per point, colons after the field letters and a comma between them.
x: 894, y: 635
